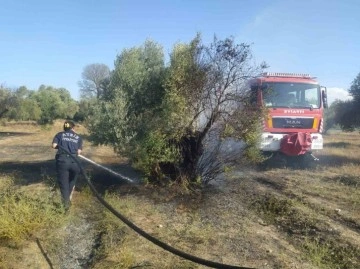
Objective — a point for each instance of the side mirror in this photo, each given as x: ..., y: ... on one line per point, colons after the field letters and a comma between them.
x: 324, y: 97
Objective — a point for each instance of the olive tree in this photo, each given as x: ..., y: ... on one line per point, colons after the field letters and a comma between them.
x: 161, y: 117
x: 126, y: 115
x: 210, y: 82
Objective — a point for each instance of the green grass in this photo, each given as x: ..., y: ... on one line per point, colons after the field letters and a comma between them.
x: 330, y: 254
x: 272, y: 208
x: 22, y: 214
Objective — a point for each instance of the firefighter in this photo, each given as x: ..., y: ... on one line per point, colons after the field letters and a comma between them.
x: 66, y: 168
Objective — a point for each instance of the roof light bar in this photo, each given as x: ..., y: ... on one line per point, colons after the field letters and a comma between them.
x: 273, y: 74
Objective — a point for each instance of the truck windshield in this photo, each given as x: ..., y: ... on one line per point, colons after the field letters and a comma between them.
x: 291, y: 95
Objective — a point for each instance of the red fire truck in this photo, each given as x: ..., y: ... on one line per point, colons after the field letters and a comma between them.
x: 295, y: 105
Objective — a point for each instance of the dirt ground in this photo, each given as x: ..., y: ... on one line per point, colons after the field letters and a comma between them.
x: 278, y: 218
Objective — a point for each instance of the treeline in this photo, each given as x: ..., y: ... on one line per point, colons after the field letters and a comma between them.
x: 43, y: 105
x: 345, y: 114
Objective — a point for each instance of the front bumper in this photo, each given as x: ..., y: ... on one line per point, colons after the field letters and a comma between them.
x: 271, y: 142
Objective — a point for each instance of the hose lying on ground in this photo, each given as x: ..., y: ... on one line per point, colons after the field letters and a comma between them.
x: 146, y: 235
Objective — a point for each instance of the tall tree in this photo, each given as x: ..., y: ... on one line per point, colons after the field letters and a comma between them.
x: 95, y: 79
x: 135, y: 93
x: 161, y: 116
x: 212, y: 83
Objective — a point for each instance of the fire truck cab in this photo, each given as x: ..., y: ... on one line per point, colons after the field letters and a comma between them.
x: 295, y: 105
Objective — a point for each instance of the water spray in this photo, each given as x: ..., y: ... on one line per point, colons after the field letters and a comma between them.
x: 107, y: 169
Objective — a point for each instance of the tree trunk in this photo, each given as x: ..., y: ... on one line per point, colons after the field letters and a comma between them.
x: 3, y: 112
x: 191, y: 150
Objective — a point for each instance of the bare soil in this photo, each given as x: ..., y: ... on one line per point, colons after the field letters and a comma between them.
x: 278, y: 218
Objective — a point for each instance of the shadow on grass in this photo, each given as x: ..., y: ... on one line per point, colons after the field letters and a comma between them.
x: 12, y: 134
x: 348, y: 180
x: 335, y: 160
x: 338, y: 145
x: 26, y: 173
x: 269, y: 183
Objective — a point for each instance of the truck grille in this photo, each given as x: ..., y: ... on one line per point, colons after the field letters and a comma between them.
x: 287, y: 122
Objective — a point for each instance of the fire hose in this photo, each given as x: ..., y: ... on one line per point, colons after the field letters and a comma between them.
x: 141, y: 232
x: 107, y: 169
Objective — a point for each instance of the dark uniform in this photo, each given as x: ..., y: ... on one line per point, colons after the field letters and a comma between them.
x: 66, y: 167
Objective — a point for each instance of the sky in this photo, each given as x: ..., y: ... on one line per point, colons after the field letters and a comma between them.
x: 50, y: 42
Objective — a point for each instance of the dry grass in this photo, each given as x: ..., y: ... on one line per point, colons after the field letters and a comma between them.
x: 280, y: 218
x: 22, y: 214
x: 318, y: 209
